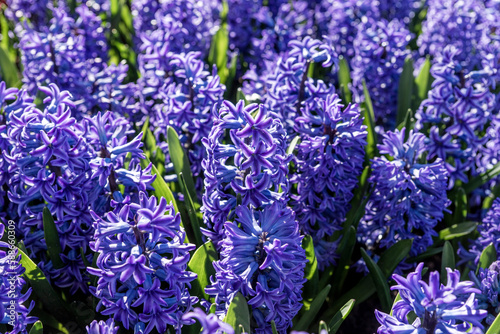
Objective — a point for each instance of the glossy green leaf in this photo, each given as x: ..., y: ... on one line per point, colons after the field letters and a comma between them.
x: 457, y: 230
x: 369, y: 121
x: 495, y: 326
x: 161, y: 187
x: 52, y: 239
x: 447, y: 261
x: 43, y: 289
x: 273, y: 326
x: 488, y: 256
x: 460, y: 212
x: 308, y: 317
x: 201, y: 263
x: 405, y: 90
x: 37, y: 328
x: 340, y: 316
x: 238, y: 314
x: 181, y: 162
x: 293, y: 144
x: 481, y: 179
x: 387, y: 263
x: 218, y: 52
x: 344, y: 77
x: 379, y: 280
x: 8, y: 70
x: 311, y: 271
x: 191, y: 211
x: 422, y: 84
x: 346, y: 247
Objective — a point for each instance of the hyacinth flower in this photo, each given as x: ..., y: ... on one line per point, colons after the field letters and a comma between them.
x: 439, y: 308
x: 338, y: 21
x: 453, y: 23
x: 381, y: 50
x: 488, y: 281
x: 210, y: 323
x: 289, y: 88
x: 34, y: 11
x: 246, y: 163
x: 102, y: 327
x: 456, y: 112
x: 408, y: 198
x: 14, y: 314
x: 261, y: 257
x: 329, y: 161
x: 141, y: 265
x: 187, y: 105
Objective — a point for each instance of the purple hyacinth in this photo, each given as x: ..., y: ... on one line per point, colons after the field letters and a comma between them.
x: 210, y: 323
x: 488, y: 281
x: 142, y: 265
x: 261, y: 257
x: 409, y: 197
x: 453, y: 23
x: 14, y: 314
x: 289, y: 88
x: 36, y: 12
x: 381, y: 49
x: 439, y: 308
x: 329, y: 161
x: 456, y: 112
x: 101, y: 327
x: 246, y: 163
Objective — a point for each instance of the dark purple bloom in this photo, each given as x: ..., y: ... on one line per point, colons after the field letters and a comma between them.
x: 102, y: 327
x: 329, y: 161
x: 409, y: 198
x: 439, y: 308
x: 142, y: 265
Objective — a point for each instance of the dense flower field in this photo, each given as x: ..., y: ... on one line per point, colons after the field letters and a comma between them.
x: 257, y: 166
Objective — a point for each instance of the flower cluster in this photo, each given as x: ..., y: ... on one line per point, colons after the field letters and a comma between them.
x: 488, y: 281
x: 456, y: 111
x: 142, y: 265
x: 409, y: 197
x: 329, y: 161
x: 439, y: 308
x: 250, y: 168
x: 379, y: 57
x: 289, y: 88
x: 262, y: 258
x: 210, y: 323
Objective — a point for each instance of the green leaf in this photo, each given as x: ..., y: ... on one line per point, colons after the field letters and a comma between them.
x: 238, y: 314
x: 495, y: 326
x: 344, y: 77
x: 379, y: 280
x: 346, y: 248
x: 425, y: 255
x: 387, y: 263
x: 307, y: 318
x: 49, y: 320
x: 37, y: 328
x: 181, y: 162
x: 422, y: 84
x: 488, y: 256
x: 148, y: 139
x: 311, y: 271
x: 481, y: 179
x: 193, y: 218
x: 161, y: 187
x: 52, y: 239
x: 218, y: 52
x: 201, y: 264
x: 340, y: 316
x: 43, y: 289
x: 273, y: 325
x: 457, y: 230
x: 405, y: 91
x: 8, y: 70
x: 460, y: 212
x: 293, y: 144
x: 369, y: 121
x: 447, y: 261
x: 398, y: 298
